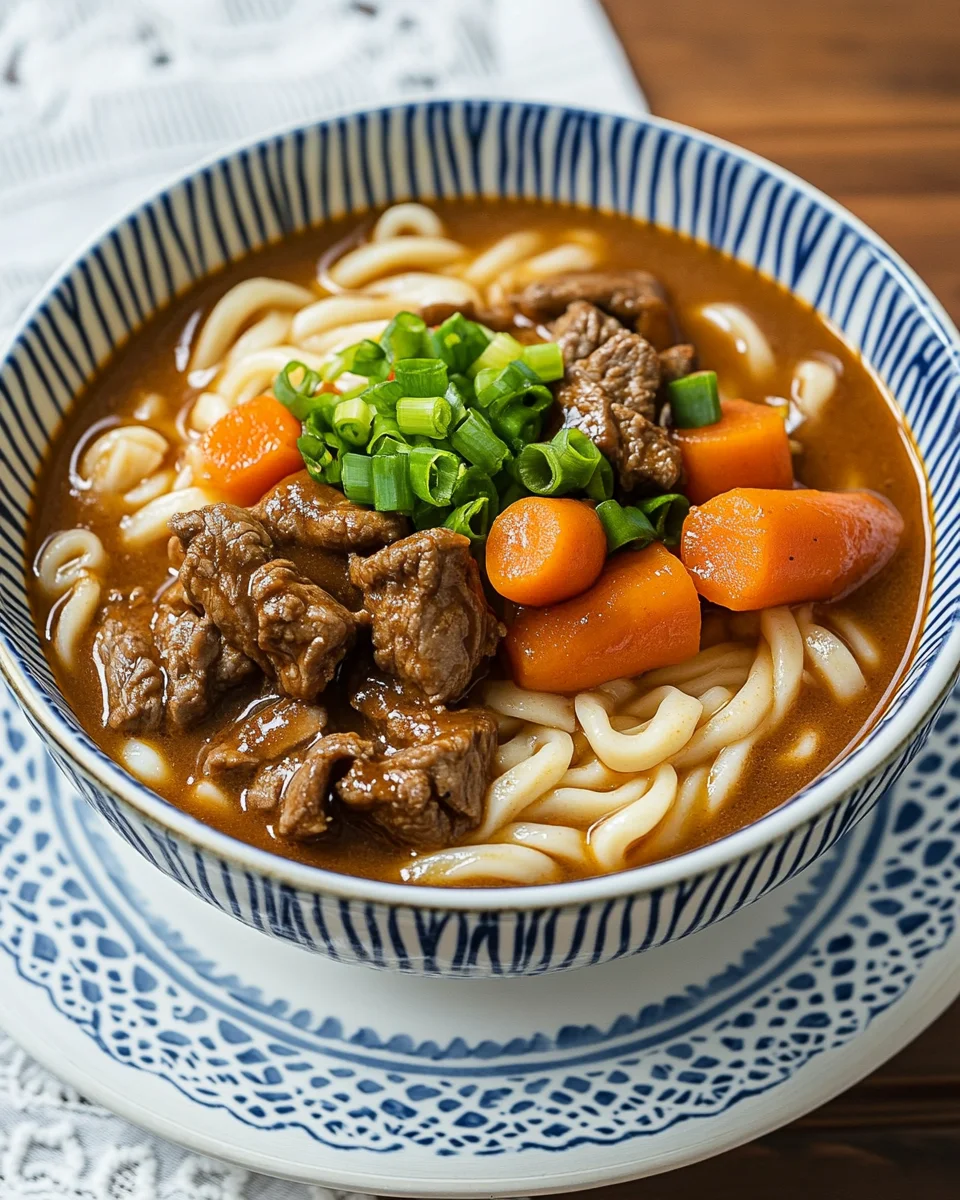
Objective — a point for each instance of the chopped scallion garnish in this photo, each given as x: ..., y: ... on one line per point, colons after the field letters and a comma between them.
x: 695, y: 400
x: 545, y: 359
x: 421, y: 376
x: 404, y: 337
x: 429, y: 415
x: 352, y: 420
x: 356, y: 472
x: 433, y: 474
x: 472, y: 519
x: 624, y: 526
x: 295, y: 387
x: 479, y: 445
x: 391, y: 483
x: 501, y: 350
x: 459, y: 342
x: 666, y: 513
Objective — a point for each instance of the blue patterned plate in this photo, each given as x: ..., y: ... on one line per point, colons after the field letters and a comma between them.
x: 184, y: 1021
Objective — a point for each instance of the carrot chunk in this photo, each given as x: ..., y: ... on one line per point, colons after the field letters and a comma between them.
x: 747, y: 447
x: 753, y: 548
x: 251, y: 448
x: 643, y: 612
x: 543, y: 550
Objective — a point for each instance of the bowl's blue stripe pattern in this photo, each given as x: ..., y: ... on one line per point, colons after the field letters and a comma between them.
x: 449, y: 150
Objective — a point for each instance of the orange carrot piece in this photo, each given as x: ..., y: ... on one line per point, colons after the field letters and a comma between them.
x: 754, y: 548
x: 747, y: 447
x: 251, y: 448
x: 543, y: 550
x: 643, y: 612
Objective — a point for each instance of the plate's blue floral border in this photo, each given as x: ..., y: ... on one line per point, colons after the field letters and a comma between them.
x: 850, y: 947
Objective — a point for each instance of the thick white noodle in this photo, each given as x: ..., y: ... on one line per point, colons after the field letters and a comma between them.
x: 582, y: 806
x: 335, y: 340
x: 273, y: 329
x: 407, y: 218
x: 712, y: 700
x: 236, y: 309
x: 122, y: 457
x: 66, y: 557
x: 746, y: 333
x: 691, y: 795
x: 814, y: 382
x: 516, y: 790
x: 358, y: 267
x: 726, y: 770
x: 658, y: 739
x: 502, y: 255
x: 735, y: 720
x: 559, y: 841
x: 568, y: 256
x: 727, y: 654
x: 783, y: 636
x: 865, y: 649
x: 149, y: 524
x: 517, y: 750
x: 250, y: 376
x: 418, y: 289
x: 144, y: 761
x: 152, y: 487
x: 502, y: 862
x: 74, y: 618
x: 151, y: 408
x: 592, y: 774
x: 830, y: 659
x: 614, y: 836
x: 346, y: 309
x: 207, y: 410
x: 545, y: 708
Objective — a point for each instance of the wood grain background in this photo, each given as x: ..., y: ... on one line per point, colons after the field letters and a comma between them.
x: 862, y: 98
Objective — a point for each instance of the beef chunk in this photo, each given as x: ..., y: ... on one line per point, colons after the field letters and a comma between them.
x: 643, y: 453
x: 130, y: 664
x: 582, y: 329
x: 199, y: 665
x: 294, y: 630
x: 430, y: 623
x: 429, y: 790
x: 649, y: 460
x: 677, y: 361
x: 632, y: 296
x: 311, y: 514
x: 279, y: 759
x: 627, y: 368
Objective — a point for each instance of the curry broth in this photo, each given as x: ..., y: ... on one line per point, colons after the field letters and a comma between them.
x: 859, y: 442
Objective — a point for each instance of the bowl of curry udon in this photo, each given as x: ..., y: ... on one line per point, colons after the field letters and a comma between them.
x: 482, y: 538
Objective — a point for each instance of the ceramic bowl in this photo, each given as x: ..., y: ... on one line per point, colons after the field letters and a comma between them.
x: 654, y: 170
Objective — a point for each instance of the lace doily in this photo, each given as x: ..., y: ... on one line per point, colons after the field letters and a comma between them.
x: 100, y: 100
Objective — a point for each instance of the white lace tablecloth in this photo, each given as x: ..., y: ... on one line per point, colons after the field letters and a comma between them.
x: 100, y: 100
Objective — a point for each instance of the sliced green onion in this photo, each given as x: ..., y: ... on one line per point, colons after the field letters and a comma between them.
x: 538, y: 469
x: 545, y: 359
x: 516, y: 424
x: 433, y: 474
x: 459, y: 341
x: 362, y: 358
x: 320, y: 418
x: 624, y: 525
x: 473, y: 519
x: 479, y: 445
x: 384, y: 428
x: 427, y: 516
x: 421, y: 376
x: 458, y: 399
x: 404, y: 337
x: 356, y: 474
x: 510, y: 493
x: 384, y: 396
x: 321, y: 462
x: 471, y: 483
x: 511, y: 380
x: 391, y: 483
x: 392, y: 445
x: 352, y: 420
x: 295, y: 387
x: 500, y: 350
x: 695, y: 400
x: 600, y: 485
x: 666, y: 513
x: 579, y: 457
x: 429, y: 415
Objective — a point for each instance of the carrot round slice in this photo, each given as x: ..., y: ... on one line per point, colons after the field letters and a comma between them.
x: 543, y: 550
x: 754, y: 548
x: 251, y: 448
x: 643, y: 612
x: 747, y: 447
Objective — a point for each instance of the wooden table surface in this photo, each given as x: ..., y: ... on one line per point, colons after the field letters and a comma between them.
x: 862, y: 98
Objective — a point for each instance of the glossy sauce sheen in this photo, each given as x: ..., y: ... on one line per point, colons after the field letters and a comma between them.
x: 860, y: 442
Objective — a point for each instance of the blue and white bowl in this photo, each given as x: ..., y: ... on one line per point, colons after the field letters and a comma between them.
x: 651, y: 169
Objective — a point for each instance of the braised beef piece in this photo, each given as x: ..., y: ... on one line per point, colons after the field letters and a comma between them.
x: 644, y: 455
x: 430, y: 622
x: 278, y: 758
x: 300, y: 510
x: 199, y: 665
x: 294, y: 630
x: 425, y: 788
x: 130, y: 664
x: 635, y: 297
x: 581, y: 329
x: 677, y: 361
x: 627, y: 368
